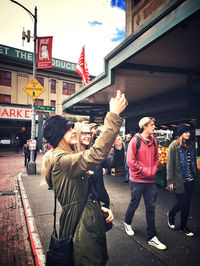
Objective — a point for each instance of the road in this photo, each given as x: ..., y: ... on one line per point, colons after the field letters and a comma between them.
x: 123, y: 250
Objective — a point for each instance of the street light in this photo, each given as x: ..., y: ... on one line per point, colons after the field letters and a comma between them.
x: 32, y: 164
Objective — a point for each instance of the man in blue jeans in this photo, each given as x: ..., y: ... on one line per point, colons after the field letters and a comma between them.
x: 142, y: 159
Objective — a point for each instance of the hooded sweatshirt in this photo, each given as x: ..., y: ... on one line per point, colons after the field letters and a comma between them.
x: 144, y: 162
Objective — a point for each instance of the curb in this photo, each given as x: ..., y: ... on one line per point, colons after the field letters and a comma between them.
x: 36, y: 245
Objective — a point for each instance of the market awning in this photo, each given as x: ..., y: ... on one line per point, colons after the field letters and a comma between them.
x: 157, y: 68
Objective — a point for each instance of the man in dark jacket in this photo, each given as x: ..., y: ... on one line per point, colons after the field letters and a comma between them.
x: 17, y: 144
x: 143, y: 162
x: 26, y: 153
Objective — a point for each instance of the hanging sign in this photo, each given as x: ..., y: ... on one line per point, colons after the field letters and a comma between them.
x: 44, y: 52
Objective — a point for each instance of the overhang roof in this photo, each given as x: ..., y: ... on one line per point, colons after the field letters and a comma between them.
x: 154, y: 67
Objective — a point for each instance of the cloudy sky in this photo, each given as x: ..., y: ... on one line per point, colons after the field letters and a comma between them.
x: 97, y: 24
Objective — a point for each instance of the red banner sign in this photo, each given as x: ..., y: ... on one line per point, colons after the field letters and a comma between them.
x: 44, y: 52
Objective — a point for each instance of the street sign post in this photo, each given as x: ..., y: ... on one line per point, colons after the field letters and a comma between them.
x: 45, y: 108
x: 34, y: 88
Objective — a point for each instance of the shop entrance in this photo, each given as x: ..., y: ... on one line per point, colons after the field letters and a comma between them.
x: 10, y: 129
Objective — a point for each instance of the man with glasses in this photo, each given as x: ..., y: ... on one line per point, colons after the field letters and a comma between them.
x: 142, y: 159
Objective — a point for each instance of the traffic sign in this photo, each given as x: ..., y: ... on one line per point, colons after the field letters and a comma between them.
x: 45, y: 108
x: 32, y: 144
x: 34, y: 88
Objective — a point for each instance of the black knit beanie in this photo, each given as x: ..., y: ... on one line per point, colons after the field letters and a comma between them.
x: 182, y: 128
x: 55, y: 128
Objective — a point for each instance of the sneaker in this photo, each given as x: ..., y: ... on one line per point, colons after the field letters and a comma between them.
x: 128, y: 229
x: 170, y: 221
x: 187, y: 231
x: 125, y: 181
x: 154, y: 242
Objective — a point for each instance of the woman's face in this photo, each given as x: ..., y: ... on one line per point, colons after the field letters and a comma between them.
x: 186, y: 135
x: 70, y: 136
x: 86, y: 135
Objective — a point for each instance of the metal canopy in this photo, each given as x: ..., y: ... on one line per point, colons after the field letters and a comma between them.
x: 157, y: 68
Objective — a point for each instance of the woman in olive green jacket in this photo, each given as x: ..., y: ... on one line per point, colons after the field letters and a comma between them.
x: 67, y: 169
x: 181, y: 171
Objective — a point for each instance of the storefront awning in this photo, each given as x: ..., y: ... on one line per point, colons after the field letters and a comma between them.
x: 157, y: 68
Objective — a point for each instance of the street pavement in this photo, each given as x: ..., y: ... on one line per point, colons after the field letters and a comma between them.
x: 123, y: 250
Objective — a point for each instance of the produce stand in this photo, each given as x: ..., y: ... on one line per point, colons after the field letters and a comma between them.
x: 161, y: 173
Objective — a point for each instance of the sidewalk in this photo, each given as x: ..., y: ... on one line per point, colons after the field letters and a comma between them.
x: 15, y: 247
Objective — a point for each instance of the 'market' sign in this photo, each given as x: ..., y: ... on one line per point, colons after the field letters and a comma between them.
x: 8, y: 112
x: 28, y: 56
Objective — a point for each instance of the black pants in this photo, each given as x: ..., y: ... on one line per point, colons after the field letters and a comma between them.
x: 183, y: 204
x: 26, y: 159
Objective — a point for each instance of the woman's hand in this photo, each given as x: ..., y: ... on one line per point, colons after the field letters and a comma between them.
x: 118, y: 104
x: 107, y: 213
x: 171, y: 187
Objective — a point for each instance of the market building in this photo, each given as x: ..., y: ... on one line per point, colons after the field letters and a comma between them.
x: 156, y: 66
x: 16, y: 71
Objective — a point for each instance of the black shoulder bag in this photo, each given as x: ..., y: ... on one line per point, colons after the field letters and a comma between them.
x: 60, y: 252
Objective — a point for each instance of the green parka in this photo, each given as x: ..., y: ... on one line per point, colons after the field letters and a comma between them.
x: 174, y: 172
x: 70, y: 181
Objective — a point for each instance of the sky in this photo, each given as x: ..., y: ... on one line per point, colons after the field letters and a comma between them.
x: 97, y: 24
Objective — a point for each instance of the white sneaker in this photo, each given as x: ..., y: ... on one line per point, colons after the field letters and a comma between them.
x: 128, y: 229
x: 154, y: 242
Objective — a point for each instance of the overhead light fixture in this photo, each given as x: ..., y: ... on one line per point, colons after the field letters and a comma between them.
x: 173, y: 125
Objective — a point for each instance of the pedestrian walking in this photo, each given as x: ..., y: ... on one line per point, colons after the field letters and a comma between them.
x: 17, y: 144
x: 67, y: 171
x: 127, y: 140
x: 26, y: 153
x: 35, y: 151
x: 181, y: 171
x: 142, y: 159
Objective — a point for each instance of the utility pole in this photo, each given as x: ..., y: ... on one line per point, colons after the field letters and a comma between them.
x: 32, y: 164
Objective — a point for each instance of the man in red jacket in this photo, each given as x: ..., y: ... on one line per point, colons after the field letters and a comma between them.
x: 142, y: 159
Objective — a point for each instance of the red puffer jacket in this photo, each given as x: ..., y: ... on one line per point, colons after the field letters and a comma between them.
x: 144, y: 162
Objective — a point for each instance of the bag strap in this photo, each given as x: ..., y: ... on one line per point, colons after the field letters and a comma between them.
x: 54, y: 214
x: 138, y: 143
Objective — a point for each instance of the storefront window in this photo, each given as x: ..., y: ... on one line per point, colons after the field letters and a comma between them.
x: 41, y: 80
x: 53, y: 103
x: 68, y: 88
x: 5, y: 78
x: 4, y: 98
x: 39, y: 102
x: 53, y: 86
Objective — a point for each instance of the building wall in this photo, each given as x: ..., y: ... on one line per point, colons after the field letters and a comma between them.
x: 140, y: 11
x: 21, y: 76
x: 13, y: 122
